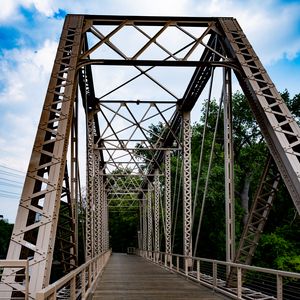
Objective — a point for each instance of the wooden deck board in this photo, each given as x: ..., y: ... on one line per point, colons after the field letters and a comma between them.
x: 132, y: 277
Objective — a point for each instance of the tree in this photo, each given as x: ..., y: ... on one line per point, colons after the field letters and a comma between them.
x: 5, y: 234
x: 123, y: 211
x: 250, y: 152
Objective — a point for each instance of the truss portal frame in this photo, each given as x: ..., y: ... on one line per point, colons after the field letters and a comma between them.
x: 43, y: 184
x: 119, y: 143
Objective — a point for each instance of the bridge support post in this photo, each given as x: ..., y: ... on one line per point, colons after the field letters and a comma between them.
x: 187, y: 189
x: 105, y: 221
x: 97, y: 203
x: 149, y: 206
x: 156, y: 215
x: 102, y: 218
x: 145, y: 229
x: 168, y: 226
x: 229, y: 168
x: 89, y: 214
x: 75, y: 175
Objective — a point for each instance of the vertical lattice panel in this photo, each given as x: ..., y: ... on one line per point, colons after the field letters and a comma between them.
x: 168, y: 219
x: 187, y: 185
x: 150, y: 223
x: 145, y: 229
x: 89, y: 223
x: 156, y: 211
x: 229, y: 168
x: 34, y: 232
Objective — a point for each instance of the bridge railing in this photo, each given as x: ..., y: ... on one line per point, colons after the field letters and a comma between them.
x: 79, y: 283
x: 17, y: 279
x: 246, y: 282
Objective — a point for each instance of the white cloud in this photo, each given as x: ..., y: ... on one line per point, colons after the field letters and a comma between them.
x: 14, y: 143
x: 26, y: 81
x: 270, y: 26
x: 7, y: 9
x: 155, y: 7
x: 25, y: 72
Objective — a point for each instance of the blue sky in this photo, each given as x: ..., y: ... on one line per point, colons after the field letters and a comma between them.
x: 30, y: 29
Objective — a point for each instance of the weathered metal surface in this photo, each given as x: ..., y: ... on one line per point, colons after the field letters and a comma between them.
x: 34, y: 231
x: 112, y: 151
x: 168, y: 218
x: 187, y: 185
x: 132, y: 277
x: 280, y: 130
x: 229, y: 167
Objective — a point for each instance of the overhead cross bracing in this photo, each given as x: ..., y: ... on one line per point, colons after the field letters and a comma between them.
x: 131, y: 73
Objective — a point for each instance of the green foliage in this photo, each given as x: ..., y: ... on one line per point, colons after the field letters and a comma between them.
x: 123, y: 219
x: 288, y: 263
x: 154, y: 136
x: 278, y: 247
x: 123, y: 228
x: 293, y: 104
x: 5, y: 233
x: 278, y: 252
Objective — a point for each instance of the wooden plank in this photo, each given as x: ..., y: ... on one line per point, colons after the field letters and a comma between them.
x: 132, y: 277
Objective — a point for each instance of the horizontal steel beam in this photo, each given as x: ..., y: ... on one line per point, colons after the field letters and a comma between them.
x: 150, y: 20
x: 156, y: 63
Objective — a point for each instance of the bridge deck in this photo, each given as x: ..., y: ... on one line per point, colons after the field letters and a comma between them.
x: 131, y: 277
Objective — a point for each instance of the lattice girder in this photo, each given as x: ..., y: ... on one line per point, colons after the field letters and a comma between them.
x: 125, y: 141
x: 43, y: 183
x: 276, y: 122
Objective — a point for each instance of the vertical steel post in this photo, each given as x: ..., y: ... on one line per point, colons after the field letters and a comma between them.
x: 97, y: 203
x: 149, y: 196
x: 74, y: 176
x: 156, y: 213
x: 139, y: 240
x: 168, y: 226
x: 229, y: 168
x: 90, y: 189
x: 105, y: 223
x: 140, y: 232
x: 279, y: 287
x: 145, y: 229
x: 101, y: 212
x: 187, y: 185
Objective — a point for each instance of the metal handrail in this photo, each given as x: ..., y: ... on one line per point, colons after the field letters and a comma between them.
x: 4, y: 282
x: 80, y: 282
x: 190, y: 268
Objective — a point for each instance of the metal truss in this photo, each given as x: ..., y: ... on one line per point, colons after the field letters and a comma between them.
x: 105, y: 224
x: 156, y: 211
x: 75, y: 178
x: 34, y: 231
x: 134, y: 60
x: 90, y: 172
x: 98, y: 243
x: 149, y: 219
x: 258, y: 215
x: 259, y: 212
x: 145, y: 225
x: 187, y: 186
x: 168, y: 217
x: 277, y: 124
x: 229, y: 168
x: 65, y: 244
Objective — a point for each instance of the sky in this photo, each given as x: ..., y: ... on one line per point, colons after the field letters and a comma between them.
x: 29, y: 33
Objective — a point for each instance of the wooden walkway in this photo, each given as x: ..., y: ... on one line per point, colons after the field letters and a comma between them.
x: 132, y: 277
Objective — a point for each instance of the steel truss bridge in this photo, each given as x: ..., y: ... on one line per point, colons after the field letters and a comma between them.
x: 129, y: 73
